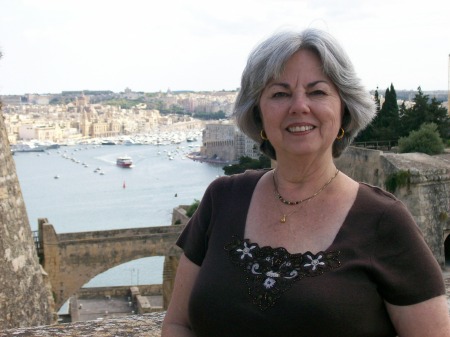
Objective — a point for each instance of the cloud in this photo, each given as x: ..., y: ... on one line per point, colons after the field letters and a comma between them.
x: 54, y: 45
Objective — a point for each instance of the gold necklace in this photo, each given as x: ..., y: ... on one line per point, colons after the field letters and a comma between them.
x: 283, y: 218
x: 278, y: 196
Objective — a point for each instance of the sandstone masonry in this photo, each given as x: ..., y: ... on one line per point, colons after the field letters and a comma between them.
x: 25, y: 297
x: 422, y: 182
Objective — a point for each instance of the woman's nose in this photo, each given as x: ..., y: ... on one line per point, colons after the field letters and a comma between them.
x: 299, y: 104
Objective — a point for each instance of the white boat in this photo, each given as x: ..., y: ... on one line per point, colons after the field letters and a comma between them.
x: 124, y: 161
x: 108, y: 142
x: 28, y: 147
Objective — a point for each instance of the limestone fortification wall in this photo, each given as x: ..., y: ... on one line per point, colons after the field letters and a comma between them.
x: 147, y: 325
x: 422, y: 183
x: 25, y: 297
x: 119, y: 291
x: 179, y: 218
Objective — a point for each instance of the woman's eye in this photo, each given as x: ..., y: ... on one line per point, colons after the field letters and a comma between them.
x: 280, y: 94
x: 317, y: 93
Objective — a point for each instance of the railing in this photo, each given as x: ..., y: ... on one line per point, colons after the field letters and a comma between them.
x: 385, y: 145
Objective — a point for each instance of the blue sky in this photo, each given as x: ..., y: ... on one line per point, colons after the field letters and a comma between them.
x: 50, y: 46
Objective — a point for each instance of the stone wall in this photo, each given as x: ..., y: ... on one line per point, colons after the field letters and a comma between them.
x: 72, y: 259
x: 25, y: 298
x: 179, y: 218
x: 148, y: 325
x: 423, y: 184
x: 118, y: 291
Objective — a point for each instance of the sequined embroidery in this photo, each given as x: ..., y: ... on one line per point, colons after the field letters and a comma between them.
x: 271, y: 271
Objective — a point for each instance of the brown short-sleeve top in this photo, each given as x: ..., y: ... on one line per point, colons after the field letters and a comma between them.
x: 245, y: 290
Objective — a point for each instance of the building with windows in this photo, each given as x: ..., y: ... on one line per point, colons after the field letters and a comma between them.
x: 224, y: 142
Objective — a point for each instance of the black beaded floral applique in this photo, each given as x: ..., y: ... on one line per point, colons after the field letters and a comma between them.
x: 272, y: 271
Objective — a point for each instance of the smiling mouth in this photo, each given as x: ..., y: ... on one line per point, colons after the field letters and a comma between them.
x: 302, y: 128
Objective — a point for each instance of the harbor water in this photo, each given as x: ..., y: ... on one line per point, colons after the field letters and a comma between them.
x: 80, y: 188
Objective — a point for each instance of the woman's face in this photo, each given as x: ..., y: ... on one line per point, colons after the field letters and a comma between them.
x: 302, y: 110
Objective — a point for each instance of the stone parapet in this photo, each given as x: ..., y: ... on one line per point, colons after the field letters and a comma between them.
x: 119, y: 291
x: 422, y: 168
x: 147, y: 325
x: 179, y: 216
x: 420, y: 181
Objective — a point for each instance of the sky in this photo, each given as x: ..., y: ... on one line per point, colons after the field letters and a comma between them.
x: 50, y: 46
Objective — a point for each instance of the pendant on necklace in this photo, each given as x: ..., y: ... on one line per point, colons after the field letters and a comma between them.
x: 283, y: 218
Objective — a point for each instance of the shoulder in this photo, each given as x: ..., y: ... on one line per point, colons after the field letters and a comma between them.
x: 393, y: 222
x: 375, y: 194
x: 247, y: 179
x: 401, y: 262
x: 374, y: 200
x: 383, y: 210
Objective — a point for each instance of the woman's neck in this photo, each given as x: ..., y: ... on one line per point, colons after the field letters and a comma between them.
x: 299, y: 179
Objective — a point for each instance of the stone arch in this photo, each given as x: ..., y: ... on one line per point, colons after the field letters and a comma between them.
x: 72, y: 259
x: 447, y: 247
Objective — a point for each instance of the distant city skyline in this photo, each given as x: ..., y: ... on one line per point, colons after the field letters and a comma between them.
x: 127, y: 93
x: 50, y: 46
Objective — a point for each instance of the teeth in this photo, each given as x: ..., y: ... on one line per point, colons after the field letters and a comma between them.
x: 300, y: 128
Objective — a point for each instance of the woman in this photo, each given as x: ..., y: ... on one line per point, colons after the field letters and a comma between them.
x: 303, y: 250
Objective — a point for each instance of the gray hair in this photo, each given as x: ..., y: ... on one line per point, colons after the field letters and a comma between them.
x: 267, y: 61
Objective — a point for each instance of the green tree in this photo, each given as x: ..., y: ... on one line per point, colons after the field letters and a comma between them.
x: 247, y: 163
x: 377, y: 100
x: 423, y: 111
x: 209, y: 115
x: 403, y: 112
x: 192, y: 208
x: 386, y: 124
x: 368, y: 133
x: 439, y: 115
x: 425, y: 140
x: 415, y: 116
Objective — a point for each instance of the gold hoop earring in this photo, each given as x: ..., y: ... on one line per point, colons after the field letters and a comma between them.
x: 340, y: 136
x: 263, y: 135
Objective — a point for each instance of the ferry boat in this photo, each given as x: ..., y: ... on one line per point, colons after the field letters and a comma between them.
x: 124, y: 161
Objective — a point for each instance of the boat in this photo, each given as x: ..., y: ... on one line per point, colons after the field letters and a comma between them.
x: 33, y: 146
x: 28, y: 148
x: 124, y: 161
x: 108, y: 142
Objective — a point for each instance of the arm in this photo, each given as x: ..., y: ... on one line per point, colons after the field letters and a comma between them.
x: 426, y: 319
x: 176, y: 322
